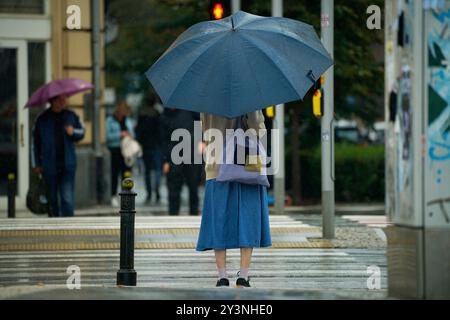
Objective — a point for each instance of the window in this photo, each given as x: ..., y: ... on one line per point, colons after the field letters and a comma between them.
x: 22, y: 6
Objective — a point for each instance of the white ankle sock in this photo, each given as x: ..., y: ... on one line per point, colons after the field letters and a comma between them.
x: 243, y: 273
x: 222, y: 273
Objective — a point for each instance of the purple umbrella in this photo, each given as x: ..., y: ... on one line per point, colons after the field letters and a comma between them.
x: 67, y: 87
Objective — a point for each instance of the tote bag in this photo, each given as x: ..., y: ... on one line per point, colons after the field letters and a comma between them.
x: 249, y: 170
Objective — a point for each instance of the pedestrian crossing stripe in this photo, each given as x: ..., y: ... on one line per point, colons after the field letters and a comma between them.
x: 140, y: 232
x: 62, y: 246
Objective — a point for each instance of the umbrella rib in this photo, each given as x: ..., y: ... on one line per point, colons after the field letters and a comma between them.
x: 271, y: 19
x: 187, y: 69
x: 176, y: 45
x: 276, y: 65
x: 290, y: 37
x: 256, y: 79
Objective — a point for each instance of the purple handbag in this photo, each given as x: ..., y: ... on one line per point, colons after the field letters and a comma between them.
x: 243, y: 170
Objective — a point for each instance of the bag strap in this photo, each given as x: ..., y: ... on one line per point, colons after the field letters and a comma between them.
x: 240, y: 123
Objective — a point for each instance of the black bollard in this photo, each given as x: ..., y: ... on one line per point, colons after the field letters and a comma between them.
x: 126, y: 276
x: 11, y: 195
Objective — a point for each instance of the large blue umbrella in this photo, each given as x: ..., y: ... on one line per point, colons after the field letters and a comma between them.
x: 239, y: 64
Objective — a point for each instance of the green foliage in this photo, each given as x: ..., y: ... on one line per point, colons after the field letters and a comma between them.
x: 357, y: 73
x: 148, y: 27
x: 359, y: 173
x: 146, y: 30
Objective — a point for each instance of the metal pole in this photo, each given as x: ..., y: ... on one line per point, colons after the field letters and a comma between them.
x: 235, y: 6
x: 96, y: 74
x: 127, y: 276
x: 327, y: 125
x: 278, y: 145
x: 11, y: 195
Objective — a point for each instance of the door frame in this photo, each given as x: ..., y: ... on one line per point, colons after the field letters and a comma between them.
x: 23, y: 143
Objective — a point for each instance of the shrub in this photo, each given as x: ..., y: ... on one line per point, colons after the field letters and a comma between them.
x: 359, y: 173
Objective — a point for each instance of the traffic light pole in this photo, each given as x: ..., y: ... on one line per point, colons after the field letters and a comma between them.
x: 327, y: 125
x: 235, y: 5
x: 96, y: 71
x: 278, y: 140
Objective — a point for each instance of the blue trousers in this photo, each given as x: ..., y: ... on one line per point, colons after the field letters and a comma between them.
x: 61, y: 192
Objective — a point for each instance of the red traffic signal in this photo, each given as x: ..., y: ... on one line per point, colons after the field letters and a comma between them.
x: 219, y: 9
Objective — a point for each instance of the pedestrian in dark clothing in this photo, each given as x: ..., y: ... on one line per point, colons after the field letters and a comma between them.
x: 178, y: 174
x: 148, y: 135
x: 118, y: 125
x: 53, y: 155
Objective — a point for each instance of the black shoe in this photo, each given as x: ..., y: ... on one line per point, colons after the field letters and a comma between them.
x: 241, y: 282
x: 223, y: 283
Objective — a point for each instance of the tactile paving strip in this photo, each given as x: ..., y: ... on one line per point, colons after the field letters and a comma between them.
x: 29, y: 240
x: 141, y: 245
x: 116, y: 232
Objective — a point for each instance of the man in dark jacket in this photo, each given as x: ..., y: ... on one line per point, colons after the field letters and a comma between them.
x: 53, y: 155
x: 148, y: 135
x: 178, y: 174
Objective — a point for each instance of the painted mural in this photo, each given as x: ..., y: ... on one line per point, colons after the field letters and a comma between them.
x: 438, y: 155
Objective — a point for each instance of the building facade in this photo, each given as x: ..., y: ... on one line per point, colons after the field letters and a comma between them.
x: 37, y: 46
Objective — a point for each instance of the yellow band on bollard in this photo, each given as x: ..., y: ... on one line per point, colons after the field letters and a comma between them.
x: 127, y: 184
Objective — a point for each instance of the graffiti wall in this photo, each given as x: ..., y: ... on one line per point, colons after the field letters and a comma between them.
x: 437, y: 165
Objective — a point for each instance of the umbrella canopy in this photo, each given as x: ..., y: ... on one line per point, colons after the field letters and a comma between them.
x: 67, y: 87
x: 239, y: 64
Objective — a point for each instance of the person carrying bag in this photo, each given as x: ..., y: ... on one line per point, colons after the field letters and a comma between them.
x: 235, y: 210
x: 244, y: 157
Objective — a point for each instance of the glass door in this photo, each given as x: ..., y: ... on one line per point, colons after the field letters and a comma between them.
x: 14, y: 138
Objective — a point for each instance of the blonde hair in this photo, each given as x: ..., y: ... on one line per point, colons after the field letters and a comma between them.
x: 122, y: 108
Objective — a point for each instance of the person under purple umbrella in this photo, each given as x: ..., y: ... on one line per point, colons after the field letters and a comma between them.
x: 55, y: 133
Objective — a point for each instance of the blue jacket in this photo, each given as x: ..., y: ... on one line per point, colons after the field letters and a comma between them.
x: 43, y: 146
x: 113, y: 131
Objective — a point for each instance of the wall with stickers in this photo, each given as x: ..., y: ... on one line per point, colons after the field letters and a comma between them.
x: 418, y: 113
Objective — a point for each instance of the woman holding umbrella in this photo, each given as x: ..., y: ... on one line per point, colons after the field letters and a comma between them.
x: 226, y: 69
x: 55, y: 133
x: 235, y: 214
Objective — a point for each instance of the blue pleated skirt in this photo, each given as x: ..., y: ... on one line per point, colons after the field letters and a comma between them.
x: 235, y: 215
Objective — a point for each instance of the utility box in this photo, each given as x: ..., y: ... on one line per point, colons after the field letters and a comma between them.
x: 417, y: 99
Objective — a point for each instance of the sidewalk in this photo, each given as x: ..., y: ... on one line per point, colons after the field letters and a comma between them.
x: 35, y: 254
x: 152, y: 293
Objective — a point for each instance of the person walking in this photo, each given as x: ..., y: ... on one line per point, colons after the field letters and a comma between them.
x: 235, y: 215
x: 118, y: 126
x: 148, y: 135
x: 55, y: 133
x: 178, y: 174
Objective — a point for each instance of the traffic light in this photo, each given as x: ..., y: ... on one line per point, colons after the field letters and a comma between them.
x: 317, y: 104
x: 219, y: 9
x: 270, y: 112
x: 318, y: 98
